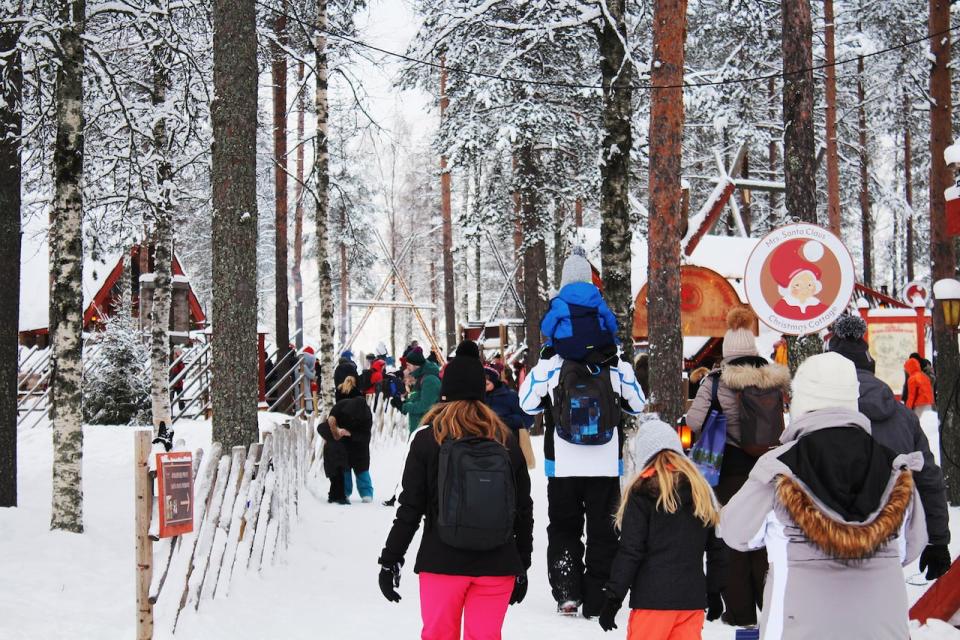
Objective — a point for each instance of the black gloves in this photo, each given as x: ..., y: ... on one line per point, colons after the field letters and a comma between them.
x: 165, y: 437
x: 389, y: 581
x: 396, y: 403
x: 609, y: 612
x: 519, y: 589
x: 935, y: 560
x: 714, y: 606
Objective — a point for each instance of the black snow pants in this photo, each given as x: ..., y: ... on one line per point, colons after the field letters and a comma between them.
x: 746, y: 571
x: 571, y: 502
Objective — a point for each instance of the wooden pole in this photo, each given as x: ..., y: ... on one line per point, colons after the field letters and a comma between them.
x: 143, y: 488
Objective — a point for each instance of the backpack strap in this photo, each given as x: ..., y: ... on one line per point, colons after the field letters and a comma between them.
x: 714, y: 397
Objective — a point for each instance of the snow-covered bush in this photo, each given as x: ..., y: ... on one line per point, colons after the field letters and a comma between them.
x: 116, y: 386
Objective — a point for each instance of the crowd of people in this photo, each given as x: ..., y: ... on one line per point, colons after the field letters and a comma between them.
x: 800, y: 526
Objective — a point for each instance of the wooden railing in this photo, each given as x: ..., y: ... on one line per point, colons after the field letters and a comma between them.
x: 245, y: 501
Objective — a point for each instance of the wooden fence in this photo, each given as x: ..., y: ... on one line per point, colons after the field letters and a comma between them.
x: 244, y: 503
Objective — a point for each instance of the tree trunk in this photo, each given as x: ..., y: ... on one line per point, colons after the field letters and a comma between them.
x: 559, y: 246
x: 321, y: 165
x: 449, y: 294
x: 833, y: 156
x: 800, y: 160
x: 298, y: 211
x: 478, y: 278
x: 746, y: 197
x: 66, y: 267
x: 773, y: 163
x: 233, y: 113
x: 908, y: 184
x: 518, y: 249
x: 163, y: 246
x: 942, y: 253
x: 616, y: 232
x: 666, y: 138
x: 278, y: 70
x: 866, y: 225
x: 528, y: 172
x: 11, y: 119
x: 344, y: 277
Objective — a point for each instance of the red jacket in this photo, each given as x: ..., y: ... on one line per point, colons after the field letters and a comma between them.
x: 919, y: 388
x: 376, y: 374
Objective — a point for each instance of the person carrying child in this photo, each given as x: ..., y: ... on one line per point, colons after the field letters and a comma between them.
x: 666, y: 520
x: 579, y: 325
x: 351, y: 416
x: 335, y: 459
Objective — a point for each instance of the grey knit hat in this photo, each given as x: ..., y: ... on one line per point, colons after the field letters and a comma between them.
x: 576, y: 268
x: 849, y: 327
x: 652, y: 437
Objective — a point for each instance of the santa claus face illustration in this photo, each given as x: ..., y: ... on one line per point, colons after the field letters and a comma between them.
x: 794, y: 266
x: 804, y: 286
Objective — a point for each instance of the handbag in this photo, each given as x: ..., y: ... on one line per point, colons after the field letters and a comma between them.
x: 707, y: 453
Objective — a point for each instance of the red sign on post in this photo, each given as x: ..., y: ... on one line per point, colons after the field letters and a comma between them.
x: 175, y: 492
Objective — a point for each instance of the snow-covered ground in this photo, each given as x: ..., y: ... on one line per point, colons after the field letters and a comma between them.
x: 58, y: 585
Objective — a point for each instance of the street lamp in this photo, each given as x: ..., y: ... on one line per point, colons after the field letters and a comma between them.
x: 947, y: 293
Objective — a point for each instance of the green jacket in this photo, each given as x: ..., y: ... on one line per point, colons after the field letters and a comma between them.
x: 424, y: 396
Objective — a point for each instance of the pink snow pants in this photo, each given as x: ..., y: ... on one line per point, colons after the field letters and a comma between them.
x: 480, y: 602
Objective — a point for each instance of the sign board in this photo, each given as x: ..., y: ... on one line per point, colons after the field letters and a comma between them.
x: 915, y: 294
x: 799, y: 279
x: 952, y: 209
x: 891, y: 343
x: 175, y: 492
x: 705, y: 298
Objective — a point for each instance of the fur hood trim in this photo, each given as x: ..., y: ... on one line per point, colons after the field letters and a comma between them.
x: 769, y: 376
x: 843, y: 540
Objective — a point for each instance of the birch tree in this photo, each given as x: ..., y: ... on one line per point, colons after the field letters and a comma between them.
x: 11, y: 90
x: 66, y: 264
x: 162, y: 219
x: 234, y: 116
x: 321, y: 181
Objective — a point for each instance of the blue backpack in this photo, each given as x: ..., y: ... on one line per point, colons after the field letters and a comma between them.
x: 588, y: 342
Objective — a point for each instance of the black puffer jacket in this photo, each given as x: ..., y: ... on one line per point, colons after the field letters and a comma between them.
x: 898, y: 428
x: 354, y: 415
x: 660, y: 559
x: 419, y: 500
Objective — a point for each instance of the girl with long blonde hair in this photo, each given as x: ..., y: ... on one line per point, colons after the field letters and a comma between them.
x: 666, y: 520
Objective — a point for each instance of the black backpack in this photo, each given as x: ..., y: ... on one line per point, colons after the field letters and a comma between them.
x: 585, y: 408
x: 477, y: 494
x: 761, y: 419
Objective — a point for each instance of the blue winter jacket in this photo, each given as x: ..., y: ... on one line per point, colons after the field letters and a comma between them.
x: 578, y: 321
x: 506, y: 403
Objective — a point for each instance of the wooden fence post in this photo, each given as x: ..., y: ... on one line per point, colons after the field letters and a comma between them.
x: 143, y: 486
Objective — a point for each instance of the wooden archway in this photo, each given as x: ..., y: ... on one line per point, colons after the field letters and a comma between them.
x: 705, y: 298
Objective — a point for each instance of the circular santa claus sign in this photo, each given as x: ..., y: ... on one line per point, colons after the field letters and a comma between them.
x: 799, y: 279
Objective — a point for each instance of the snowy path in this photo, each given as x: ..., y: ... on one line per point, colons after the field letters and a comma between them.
x: 67, y: 586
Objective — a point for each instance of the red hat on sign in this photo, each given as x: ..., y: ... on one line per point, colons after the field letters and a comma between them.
x: 794, y: 257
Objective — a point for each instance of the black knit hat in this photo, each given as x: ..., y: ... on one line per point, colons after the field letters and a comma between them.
x: 847, y: 340
x: 415, y: 357
x: 463, y: 377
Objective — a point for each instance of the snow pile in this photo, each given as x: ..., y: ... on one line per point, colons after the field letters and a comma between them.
x: 82, y: 586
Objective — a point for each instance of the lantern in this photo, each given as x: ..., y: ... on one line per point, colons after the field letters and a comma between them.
x: 686, y: 436
x: 947, y: 293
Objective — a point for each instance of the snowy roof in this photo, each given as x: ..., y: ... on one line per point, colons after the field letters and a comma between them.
x: 35, y: 278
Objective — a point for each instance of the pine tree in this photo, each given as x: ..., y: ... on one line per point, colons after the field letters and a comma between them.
x: 117, y: 388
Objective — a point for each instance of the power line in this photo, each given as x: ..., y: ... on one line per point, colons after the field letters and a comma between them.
x: 685, y: 85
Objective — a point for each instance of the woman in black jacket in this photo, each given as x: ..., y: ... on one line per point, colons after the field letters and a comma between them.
x: 473, y: 580
x: 352, y: 416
